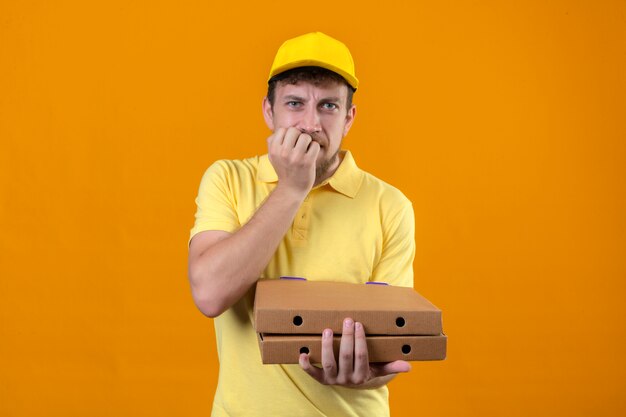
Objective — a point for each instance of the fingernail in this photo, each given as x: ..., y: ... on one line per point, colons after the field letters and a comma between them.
x: 327, y: 333
x: 347, y: 323
x: 357, y: 325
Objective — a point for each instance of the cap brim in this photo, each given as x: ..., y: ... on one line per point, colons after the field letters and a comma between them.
x: 353, y: 81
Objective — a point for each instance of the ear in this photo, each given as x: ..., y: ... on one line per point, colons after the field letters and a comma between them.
x: 268, y: 114
x: 350, y: 115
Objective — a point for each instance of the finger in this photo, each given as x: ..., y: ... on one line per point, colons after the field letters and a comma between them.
x: 361, y: 358
x: 302, y: 143
x: 313, y: 150
x: 280, y: 135
x: 382, y: 369
x: 346, y: 352
x: 305, y: 364
x: 274, y: 141
x: 277, y: 136
x: 329, y: 364
x: 289, y: 140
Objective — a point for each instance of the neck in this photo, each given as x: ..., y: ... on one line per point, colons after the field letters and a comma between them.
x: 327, y: 168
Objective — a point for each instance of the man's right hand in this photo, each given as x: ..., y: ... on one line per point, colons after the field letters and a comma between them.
x: 218, y: 277
x: 293, y: 155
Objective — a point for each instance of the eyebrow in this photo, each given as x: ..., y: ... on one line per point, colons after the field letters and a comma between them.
x: 293, y: 97
x: 323, y: 100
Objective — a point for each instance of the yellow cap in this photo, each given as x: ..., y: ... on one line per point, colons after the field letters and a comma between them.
x: 315, y: 49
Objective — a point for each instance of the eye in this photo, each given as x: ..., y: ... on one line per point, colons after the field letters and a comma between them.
x: 293, y: 103
x: 329, y: 106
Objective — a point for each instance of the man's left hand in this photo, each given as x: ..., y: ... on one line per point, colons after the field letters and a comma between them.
x: 354, y: 369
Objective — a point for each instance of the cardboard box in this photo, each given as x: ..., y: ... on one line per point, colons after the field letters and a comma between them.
x: 309, y: 307
x: 286, y: 349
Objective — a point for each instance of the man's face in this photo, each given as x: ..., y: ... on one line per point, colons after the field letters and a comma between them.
x: 318, y: 110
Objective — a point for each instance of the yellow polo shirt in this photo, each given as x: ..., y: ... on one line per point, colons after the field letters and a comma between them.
x: 352, y: 228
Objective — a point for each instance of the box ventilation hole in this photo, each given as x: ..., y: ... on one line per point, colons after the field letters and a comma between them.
x: 406, y: 349
x: 297, y: 320
x: 304, y: 349
x: 400, y: 322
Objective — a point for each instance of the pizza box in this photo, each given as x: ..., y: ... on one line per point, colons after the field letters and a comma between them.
x: 297, y: 306
x: 286, y: 349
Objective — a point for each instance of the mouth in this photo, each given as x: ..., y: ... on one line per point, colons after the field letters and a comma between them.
x: 317, y: 141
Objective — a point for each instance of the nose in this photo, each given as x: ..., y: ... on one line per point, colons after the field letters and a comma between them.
x: 310, y: 121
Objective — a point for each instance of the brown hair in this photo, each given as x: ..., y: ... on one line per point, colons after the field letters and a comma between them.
x: 314, y: 75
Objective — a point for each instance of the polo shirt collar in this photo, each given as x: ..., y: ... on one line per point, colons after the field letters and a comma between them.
x: 265, y: 171
x: 346, y: 180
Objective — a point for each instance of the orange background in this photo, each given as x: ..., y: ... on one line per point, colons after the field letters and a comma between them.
x: 503, y: 123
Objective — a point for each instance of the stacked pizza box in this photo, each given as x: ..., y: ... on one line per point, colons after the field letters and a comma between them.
x: 291, y: 314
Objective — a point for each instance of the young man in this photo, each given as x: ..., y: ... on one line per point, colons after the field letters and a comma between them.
x: 304, y: 209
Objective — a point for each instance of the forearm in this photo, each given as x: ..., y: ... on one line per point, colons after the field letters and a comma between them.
x: 221, y: 274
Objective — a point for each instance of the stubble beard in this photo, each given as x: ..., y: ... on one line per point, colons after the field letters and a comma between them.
x: 321, y: 170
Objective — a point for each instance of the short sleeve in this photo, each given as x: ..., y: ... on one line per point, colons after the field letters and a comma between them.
x: 395, y: 266
x: 215, y: 201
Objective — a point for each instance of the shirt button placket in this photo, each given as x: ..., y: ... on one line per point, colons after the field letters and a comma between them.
x: 301, y: 221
